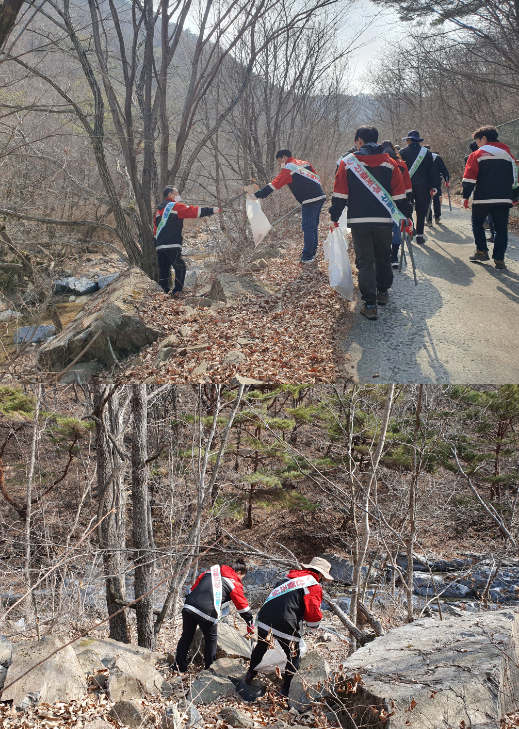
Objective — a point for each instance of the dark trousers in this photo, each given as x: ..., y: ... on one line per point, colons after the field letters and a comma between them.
x: 262, y: 646
x: 500, y: 220
x: 310, y: 224
x: 372, y: 246
x: 422, y: 196
x: 189, y: 625
x: 168, y: 258
x: 436, y: 207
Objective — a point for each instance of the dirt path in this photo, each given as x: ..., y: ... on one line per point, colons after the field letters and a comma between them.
x: 459, y: 325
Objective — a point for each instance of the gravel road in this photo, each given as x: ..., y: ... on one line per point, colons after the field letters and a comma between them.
x: 459, y: 325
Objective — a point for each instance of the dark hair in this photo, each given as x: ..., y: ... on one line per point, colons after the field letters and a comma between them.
x: 473, y: 146
x: 315, y: 572
x: 240, y: 566
x: 283, y: 153
x: 167, y: 191
x: 390, y: 149
x: 490, y: 133
x: 367, y: 134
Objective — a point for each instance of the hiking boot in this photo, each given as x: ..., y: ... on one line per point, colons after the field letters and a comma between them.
x: 382, y: 298
x: 394, y: 264
x: 428, y: 223
x: 437, y: 220
x: 420, y: 240
x: 370, y: 312
x: 491, y: 239
x: 479, y: 257
x: 249, y: 677
x: 307, y: 260
x: 499, y: 264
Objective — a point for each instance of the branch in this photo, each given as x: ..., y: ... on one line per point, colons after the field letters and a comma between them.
x: 55, y: 221
x: 359, y: 636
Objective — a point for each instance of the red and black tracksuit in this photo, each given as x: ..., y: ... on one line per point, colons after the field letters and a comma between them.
x: 199, y: 610
x: 489, y: 174
x: 282, y: 617
x: 307, y: 190
x: 440, y: 170
x: 370, y: 221
x: 423, y: 181
x: 168, y: 244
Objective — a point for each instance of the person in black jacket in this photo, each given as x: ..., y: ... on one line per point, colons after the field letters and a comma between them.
x: 440, y: 171
x: 419, y: 161
x: 200, y: 609
x: 167, y: 230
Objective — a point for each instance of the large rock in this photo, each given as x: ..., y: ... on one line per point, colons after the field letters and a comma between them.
x: 228, y: 287
x: 342, y: 570
x: 34, y: 334
x: 462, y: 671
x: 129, y: 713
x: 235, y: 717
x: 111, y: 314
x: 230, y: 644
x: 132, y: 678
x: 107, y: 650
x: 309, y: 683
x: 208, y: 688
x: 76, y: 286
x: 92, y: 666
x: 59, y: 678
x: 6, y: 651
x: 228, y: 668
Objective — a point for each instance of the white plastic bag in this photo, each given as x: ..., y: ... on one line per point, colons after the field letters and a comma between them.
x: 339, y: 270
x: 258, y: 220
x: 343, y: 223
x: 276, y: 657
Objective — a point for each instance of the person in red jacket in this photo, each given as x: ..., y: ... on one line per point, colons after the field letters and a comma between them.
x: 211, y: 593
x: 491, y: 173
x: 305, y: 185
x: 390, y: 149
x: 167, y: 230
x: 296, y: 597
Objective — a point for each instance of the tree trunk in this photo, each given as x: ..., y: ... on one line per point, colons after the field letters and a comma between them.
x: 30, y: 480
x: 364, y: 529
x: 112, y: 536
x: 143, y: 557
x: 9, y: 10
x: 412, y: 509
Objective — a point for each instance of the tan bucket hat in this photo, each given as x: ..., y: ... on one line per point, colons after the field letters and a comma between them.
x: 320, y: 565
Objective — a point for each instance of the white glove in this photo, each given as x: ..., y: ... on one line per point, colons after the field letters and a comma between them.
x: 216, y: 210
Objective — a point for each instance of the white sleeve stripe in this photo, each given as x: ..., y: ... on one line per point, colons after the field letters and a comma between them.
x: 198, y: 213
x: 467, y: 179
x: 244, y: 610
x: 271, y: 185
x: 340, y: 194
x: 312, y: 625
x: 399, y: 197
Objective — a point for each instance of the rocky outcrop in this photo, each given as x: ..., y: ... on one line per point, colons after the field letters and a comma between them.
x: 92, y: 667
x: 309, y: 683
x: 462, y: 671
x: 112, y: 319
x: 229, y: 287
x: 235, y: 717
x: 228, y: 668
x: 76, y: 286
x: 129, y: 713
x: 34, y: 334
x: 341, y: 569
x: 107, y: 650
x: 230, y: 644
x: 60, y: 678
x: 132, y: 678
x: 208, y: 687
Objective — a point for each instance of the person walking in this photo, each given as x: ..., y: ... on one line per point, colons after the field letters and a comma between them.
x: 305, y: 186
x: 391, y: 150
x: 419, y: 161
x: 295, y: 598
x: 440, y: 171
x: 168, y: 223
x: 209, y: 596
x: 491, y: 173
x: 370, y: 183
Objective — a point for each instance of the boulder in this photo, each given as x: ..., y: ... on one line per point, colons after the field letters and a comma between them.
x: 309, y: 683
x: 9, y: 315
x: 462, y: 671
x: 76, y: 286
x: 253, y: 691
x: 430, y: 585
x: 228, y: 668
x: 171, y: 718
x: 341, y: 569
x: 235, y: 717
x: 229, y: 287
x: 163, y: 355
x: 3, y: 676
x: 208, y: 688
x: 81, y: 372
x: 260, y: 577
x: 112, y: 317
x: 230, y: 644
x: 130, y: 713
x: 60, y: 678
x: 131, y: 677
x: 233, y: 357
x: 108, y: 649
x: 92, y: 666
x: 34, y: 334
x: 103, y: 281
x: 6, y: 651
x: 194, y: 717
